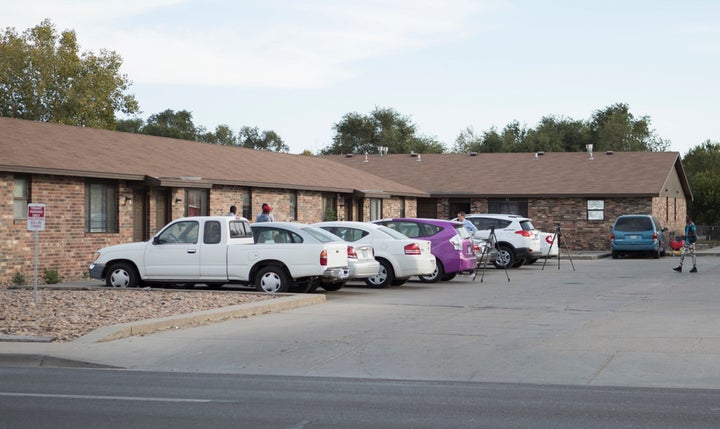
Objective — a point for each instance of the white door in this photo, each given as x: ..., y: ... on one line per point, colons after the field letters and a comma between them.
x: 175, y: 253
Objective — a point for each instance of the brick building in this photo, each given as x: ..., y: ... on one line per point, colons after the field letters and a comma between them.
x: 102, y: 188
x: 584, y: 192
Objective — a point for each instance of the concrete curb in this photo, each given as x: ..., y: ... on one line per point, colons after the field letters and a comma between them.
x: 181, y: 321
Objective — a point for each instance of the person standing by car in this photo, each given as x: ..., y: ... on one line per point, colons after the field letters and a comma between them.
x: 468, y: 225
x: 233, y: 211
x: 265, y: 216
x: 690, y: 239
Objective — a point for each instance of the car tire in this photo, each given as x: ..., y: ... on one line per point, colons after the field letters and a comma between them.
x: 303, y: 286
x: 448, y: 277
x: 436, y: 275
x: 122, y: 275
x: 656, y: 254
x: 531, y: 261
x: 385, y: 276
x: 272, y: 279
x: 615, y: 254
x: 400, y: 281
x: 506, y: 257
x: 332, y: 287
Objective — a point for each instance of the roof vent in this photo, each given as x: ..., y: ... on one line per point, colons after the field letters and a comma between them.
x: 589, y: 148
x: 419, y: 158
x: 473, y: 153
x: 348, y: 155
x: 536, y: 156
x: 383, y: 150
x: 610, y: 152
x: 413, y: 153
x: 541, y: 153
x: 366, y: 159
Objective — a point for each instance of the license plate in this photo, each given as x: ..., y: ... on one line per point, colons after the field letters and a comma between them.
x: 633, y: 237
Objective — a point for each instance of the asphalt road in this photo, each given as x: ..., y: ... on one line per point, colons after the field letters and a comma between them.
x: 83, y: 398
x: 627, y: 322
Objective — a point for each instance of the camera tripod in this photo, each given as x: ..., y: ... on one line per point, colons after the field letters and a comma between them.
x: 560, y: 239
x: 485, y: 255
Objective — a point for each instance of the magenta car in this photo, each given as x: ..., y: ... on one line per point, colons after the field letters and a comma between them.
x: 451, y: 243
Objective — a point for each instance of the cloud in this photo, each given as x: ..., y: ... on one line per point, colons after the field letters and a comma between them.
x: 277, y: 44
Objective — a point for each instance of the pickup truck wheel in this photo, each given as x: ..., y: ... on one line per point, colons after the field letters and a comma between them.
x: 272, y: 279
x: 302, y: 286
x: 436, y: 275
x: 332, y: 287
x: 122, y: 274
x: 384, y: 277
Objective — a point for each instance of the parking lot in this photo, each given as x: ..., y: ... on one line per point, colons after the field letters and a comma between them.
x: 629, y: 322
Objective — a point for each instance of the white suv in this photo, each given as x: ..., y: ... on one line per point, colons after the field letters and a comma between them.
x: 518, y: 241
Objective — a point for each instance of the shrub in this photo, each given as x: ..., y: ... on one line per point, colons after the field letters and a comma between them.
x: 19, y: 279
x: 51, y: 277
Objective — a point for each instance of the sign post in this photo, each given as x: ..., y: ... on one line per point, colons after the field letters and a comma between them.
x: 36, y: 223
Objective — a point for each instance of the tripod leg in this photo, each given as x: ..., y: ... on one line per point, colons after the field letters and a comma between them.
x: 552, y: 243
x: 567, y: 249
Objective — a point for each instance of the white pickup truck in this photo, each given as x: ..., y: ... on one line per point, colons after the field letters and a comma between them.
x: 215, y: 250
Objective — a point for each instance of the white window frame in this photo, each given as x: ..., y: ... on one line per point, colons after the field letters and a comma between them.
x: 595, y: 209
x: 21, y: 196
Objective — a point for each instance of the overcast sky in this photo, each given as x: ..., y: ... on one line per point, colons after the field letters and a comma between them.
x: 297, y: 66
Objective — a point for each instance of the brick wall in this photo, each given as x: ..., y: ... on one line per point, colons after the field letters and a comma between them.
x: 64, y: 246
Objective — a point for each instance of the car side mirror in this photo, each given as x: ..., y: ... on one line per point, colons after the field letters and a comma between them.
x: 156, y: 240
x: 665, y: 229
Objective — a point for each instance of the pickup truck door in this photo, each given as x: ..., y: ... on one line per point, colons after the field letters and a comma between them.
x: 213, y: 253
x: 174, y: 254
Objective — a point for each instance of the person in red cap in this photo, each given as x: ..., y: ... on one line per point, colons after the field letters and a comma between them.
x: 265, y: 216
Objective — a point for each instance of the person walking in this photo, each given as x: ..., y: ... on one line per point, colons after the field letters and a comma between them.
x: 265, y: 216
x: 468, y: 225
x: 690, y: 239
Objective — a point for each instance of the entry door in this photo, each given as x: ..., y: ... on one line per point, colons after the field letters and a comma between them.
x: 140, y: 215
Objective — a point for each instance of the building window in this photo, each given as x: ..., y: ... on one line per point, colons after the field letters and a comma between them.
x: 247, y: 205
x: 21, y: 195
x: 375, y: 209
x: 101, y: 207
x: 197, y: 202
x: 402, y: 207
x: 508, y: 206
x: 596, y: 209
x: 293, y: 205
x: 329, y: 206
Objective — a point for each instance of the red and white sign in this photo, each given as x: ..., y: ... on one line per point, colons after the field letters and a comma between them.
x: 36, y: 217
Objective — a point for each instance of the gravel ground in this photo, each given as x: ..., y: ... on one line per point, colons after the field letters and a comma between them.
x: 68, y: 314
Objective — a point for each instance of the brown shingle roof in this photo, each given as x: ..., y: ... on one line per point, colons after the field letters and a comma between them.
x: 521, y: 175
x: 38, y: 147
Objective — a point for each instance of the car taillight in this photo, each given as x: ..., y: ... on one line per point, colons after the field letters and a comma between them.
x: 476, y: 249
x: 323, y: 258
x: 612, y: 237
x: 412, y: 249
x: 654, y: 235
x: 524, y: 233
x: 351, y: 252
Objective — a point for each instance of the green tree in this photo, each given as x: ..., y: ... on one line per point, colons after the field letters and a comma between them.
x: 702, y: 167
x: 168, y: 123
x: 615, y: 128
x: 383, y: 127
x: 44, y: 77
x: 253, y: 138
x: 132, y: 125
x: 223, y: 135
x: 558, y: 135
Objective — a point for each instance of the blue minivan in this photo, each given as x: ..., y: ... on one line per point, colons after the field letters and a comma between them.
x: 638, y: 234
